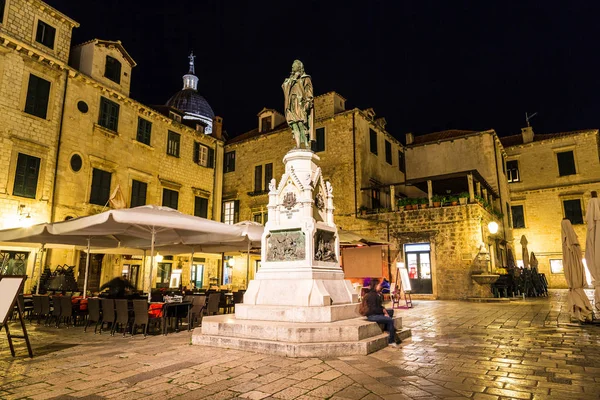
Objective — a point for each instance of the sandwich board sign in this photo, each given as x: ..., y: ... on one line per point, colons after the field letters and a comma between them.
x: 10, y: 287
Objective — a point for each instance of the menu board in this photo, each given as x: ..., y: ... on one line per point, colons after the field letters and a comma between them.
x: 405, y: 280
x: 9, y: 287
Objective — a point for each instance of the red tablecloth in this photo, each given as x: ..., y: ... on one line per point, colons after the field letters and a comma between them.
x: 155, y: 309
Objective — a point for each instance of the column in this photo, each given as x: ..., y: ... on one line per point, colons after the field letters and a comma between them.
x: 430, y: 192
x: 393, y: 196
x: 471, y: 190
x: 478, y: 188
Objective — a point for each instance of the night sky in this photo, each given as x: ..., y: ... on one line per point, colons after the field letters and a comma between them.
x: 423, y: 65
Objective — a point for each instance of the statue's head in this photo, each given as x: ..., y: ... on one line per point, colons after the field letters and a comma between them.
x: 297, y: 66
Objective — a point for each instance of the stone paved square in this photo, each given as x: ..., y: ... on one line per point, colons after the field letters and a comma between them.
x: 525, y: 349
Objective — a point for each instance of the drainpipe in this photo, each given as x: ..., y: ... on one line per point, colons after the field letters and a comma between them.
x: 354, y: 160
x: 60, y: 131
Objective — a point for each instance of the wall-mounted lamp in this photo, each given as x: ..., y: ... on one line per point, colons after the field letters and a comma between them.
x: 493, y: 227
x: 231, y: 262
x: 158, y: 257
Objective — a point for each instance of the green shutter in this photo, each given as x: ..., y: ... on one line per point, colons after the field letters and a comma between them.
x: 211, y: 158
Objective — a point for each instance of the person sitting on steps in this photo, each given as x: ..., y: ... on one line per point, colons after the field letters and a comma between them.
x: 377, y: 313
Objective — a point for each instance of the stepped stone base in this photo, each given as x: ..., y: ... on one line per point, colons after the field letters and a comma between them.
x: 296, y: 313
x: 489, y: 299
x: 355, y: 336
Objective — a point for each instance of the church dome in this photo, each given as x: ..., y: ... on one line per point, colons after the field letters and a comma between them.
x: 191, y: 102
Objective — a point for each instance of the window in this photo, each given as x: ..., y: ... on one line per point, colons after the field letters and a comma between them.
x: 163, y: 273
x: 45, y: 34
x: 112, y: 69
x: 100, y: 187
x: 200, y: 154
x: 201, y: 207
x: 319, y: 144
x: 266, y: 124
x: 2, y: 5
x: 573, y: 211
x: 556, y: 266
x: 375, y: 198
x: 109, y: 114
x: 518, y: 217
x: 170, y: 198
x: 229, y: 162
x: 175, y: 116
x: 388, y: 152
x: 373, y: 141
x: 138, y: 193
x: 401, y: 162
x: 268, y: 174
x: 76, y: 162
x: 260, y: 217
x: 173, y: 144
x: 82, y: 106
x: 26, y: 176
x: 231, y: 212
x: 566, y: 163
x: 512, y: 171
x: 258, y: 179
x: 38, y: 93
x: 144, y: 131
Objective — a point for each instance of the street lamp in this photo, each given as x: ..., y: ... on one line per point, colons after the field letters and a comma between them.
x: 493, y: 227
x: 158, y: 257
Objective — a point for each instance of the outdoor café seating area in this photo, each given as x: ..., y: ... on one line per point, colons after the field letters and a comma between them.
x: 129, y: 314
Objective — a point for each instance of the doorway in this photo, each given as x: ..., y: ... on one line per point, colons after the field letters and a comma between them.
x: 94, y: 272
x: 418, y: 262
x: 130, y: 272
x: 197, y: 274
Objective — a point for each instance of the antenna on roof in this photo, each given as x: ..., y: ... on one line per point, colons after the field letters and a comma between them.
x: 528, y: 117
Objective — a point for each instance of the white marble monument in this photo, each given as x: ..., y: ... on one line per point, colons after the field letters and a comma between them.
x: 300, y: 279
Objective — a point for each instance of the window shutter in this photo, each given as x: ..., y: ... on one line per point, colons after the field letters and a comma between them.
x: 268, y: 174
x: 211, y: 157
x: 223, y: 212
x: 258, y: 178
x: 196, y: 152
x: 236, y: 211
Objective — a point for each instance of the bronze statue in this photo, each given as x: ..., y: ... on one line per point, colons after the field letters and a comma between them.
x: 298, y: 98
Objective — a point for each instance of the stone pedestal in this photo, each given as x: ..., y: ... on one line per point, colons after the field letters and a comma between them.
x: 299, y: 304
x: 300, y: 250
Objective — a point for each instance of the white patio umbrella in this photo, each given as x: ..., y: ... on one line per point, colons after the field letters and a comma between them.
x: 592, y: 245
x: 152, y: 227
x: 579, y: 305
x: 44, y: 236
x: 525, y: 252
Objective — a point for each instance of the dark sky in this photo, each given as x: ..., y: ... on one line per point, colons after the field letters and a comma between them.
x: 423, y: 65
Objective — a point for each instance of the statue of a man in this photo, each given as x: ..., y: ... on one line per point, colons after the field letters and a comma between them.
x: 299, y: 112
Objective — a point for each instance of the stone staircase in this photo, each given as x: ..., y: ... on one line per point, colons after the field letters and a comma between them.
x: 355, y: 336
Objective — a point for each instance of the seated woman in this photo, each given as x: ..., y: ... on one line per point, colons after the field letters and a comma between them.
x: 377, y: 313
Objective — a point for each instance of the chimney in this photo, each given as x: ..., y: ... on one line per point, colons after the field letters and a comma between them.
x: 410, y: 138
x: 218, y: 128
x: 527, y: 133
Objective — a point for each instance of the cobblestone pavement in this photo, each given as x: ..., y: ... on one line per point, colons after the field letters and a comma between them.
x: 525, y: 350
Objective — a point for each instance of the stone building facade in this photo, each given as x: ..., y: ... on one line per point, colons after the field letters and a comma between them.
x: 72, y: 138
x: 551, y: 177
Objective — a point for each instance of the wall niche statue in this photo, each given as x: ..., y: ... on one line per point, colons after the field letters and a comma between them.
x: 325, y: 246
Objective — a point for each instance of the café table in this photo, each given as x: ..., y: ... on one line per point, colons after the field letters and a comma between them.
x: 173, y: 309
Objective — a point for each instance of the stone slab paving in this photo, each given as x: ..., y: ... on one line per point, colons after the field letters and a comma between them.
x: 526, y: 349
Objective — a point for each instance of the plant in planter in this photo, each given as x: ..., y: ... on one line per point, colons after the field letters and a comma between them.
x: 453, y: 200
x: 401, y: 203
x: 362, y: 210
x: 410, y: 204
x: 423, y: 202
x: 463, y: 198
x: 437, y: 200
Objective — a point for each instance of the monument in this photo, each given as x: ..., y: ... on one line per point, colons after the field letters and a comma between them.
x: 299, y: 303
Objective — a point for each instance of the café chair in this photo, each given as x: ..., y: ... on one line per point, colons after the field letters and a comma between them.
x: 108, y: 313
x: 195, y: 313
x: 55, y: 310
x: 122, y: 319
x: 213, y: 304
x: 93, y: 314
x: 66, y: 310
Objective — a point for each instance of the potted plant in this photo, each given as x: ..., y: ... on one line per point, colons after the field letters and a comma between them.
x: 363, y: 210
x: 453, y: 200
x: 437, y: 200
x: 423, y: 202
x: 463, y: 198
x: 401, y: 203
